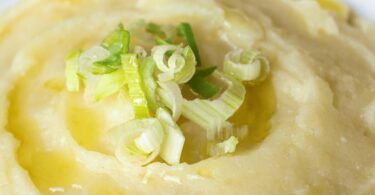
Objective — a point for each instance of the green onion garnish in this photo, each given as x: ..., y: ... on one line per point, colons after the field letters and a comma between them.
x: 179, y: 66
x: 116, y: 43
x: 130, y: 66
x: 136, y: 141
x: 203, y: 87
x: 155, y: 29
x: 211, y: 114
x: 147, y: 69
x: 109, y: 84
x: 226, y: 147
x: 188, y: 70
x: 154, y: 80
x: 186, y: 32
x: 170, y: 95
x: 174, y: 139
x: 205, y: 72
x: 246, y: 65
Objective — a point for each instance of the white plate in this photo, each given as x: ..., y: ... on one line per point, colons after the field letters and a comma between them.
x: 366, y: 8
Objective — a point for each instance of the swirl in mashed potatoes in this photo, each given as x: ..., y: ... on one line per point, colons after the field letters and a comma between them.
x: 311, y: 123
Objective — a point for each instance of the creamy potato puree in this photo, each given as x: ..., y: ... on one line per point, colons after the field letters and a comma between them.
x: 312, y: 123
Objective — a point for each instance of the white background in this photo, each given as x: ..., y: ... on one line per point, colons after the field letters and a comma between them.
x: 366, y: 8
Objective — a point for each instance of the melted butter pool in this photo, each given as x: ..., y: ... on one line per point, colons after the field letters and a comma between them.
x: 255, y: 112
x: 52, y: 170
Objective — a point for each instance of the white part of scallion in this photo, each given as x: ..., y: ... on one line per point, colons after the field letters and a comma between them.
x: 180, y: 65
x: 211, y: 114
x: 174, y: 140
x: 171, y: 96
x: 159, y: 52
x: 88, y: 57
x: 188, y: 71
x: 226, y: 147
x: 246, y: 65
x: 150, y: 139
x: 136, y: 141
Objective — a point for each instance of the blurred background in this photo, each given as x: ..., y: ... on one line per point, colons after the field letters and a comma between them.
x: 365, y: 8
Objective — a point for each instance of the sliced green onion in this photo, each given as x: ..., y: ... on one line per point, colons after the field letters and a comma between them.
x: 226, y: 147
x: 160, y: 41
x: 174, y: 139
x: 155, y: 29
x: 246, y: 65
x: 180, y: 66
x: 170, y: 95
x: 159, y: 53
x: 205, y: 72
x: 72, y: 70
x: 210, y: 114
x: 188, y: 70
x: 117, y: 43
x: 135, y: 91
x: 185, y: 30
x: 147, y: 69
x: 203, y: 88
x: 136, y: 141
x: 106, y: 66
x: 90, y: 56
x: 140, y: 51
x: 150, y: 139
x: 110, y: 84
x: 164, y: 34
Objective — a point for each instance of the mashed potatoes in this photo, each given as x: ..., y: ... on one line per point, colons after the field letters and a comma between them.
x: 312, y: 123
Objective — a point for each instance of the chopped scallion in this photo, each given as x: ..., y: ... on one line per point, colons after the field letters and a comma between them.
x: 117, y: 43
x: 226, y: 147
x: 210, y: 114
x: 170, y: 95
x: 246, y: 65
x: 174, y: 139
x: 110, y: 84
x: 147, y: 69
x: 203, y: 87
x: 130, y: 66
x: 186, y: 32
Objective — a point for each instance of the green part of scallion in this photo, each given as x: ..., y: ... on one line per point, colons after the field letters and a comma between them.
x: 205, y: 72
x: 109, y: 84
x: 147, y: 69
x: 203, y: 88
x: 186, y: 32
x: 133, y: 78
x: 155, y: 29
x: 117, y: 43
